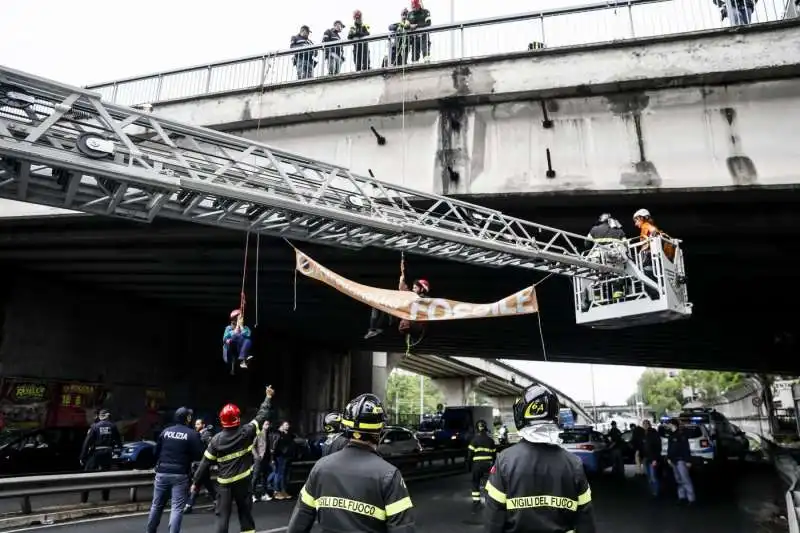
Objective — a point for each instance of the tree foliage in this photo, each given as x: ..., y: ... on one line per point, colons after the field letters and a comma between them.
x: 402, y: 394
x: 666, y: 394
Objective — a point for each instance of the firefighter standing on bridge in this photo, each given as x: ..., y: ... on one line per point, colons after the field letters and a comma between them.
x: 355, y: 489
x: 98, y: 448
x: 336, y: 440
x: 481, y: 454
x: 536, y: 486
x: 232, y: 450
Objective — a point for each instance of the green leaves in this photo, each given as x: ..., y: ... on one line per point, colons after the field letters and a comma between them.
x: 667, y: 392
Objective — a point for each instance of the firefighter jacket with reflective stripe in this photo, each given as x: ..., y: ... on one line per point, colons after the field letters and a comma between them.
x: 481, y: 448
x: 354, y: 490
x: 232, y: 449
x: 334, y: 443
x: 538, y: 488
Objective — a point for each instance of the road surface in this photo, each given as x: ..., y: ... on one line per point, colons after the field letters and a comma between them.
x: 746, y: 500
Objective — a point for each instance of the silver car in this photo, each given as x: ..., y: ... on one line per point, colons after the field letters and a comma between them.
x: 396, y: 440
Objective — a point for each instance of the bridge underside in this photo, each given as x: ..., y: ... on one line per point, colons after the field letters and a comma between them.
x: 741, y: 260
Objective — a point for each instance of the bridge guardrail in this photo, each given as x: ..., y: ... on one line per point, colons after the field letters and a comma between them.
x: 789, y: 471
x: 607, y: 21
x: 413, y: 466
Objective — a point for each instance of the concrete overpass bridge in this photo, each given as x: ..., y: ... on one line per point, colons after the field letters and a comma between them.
x: 74, y: 270
x: 458, y: 376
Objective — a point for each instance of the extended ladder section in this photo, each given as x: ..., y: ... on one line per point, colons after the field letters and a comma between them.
x: 62, y: 146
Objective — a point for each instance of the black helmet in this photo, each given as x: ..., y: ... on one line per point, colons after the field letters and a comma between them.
x: 537, y: 404
x: 364, y: 414
x: 480, y: 425
x: 332, y: 422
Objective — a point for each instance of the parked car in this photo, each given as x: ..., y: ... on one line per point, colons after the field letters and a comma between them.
x: 139, y: 455
x: 729, y: 441
x: 590, y: 446
x: 397, y: 440
x: 42, y: 451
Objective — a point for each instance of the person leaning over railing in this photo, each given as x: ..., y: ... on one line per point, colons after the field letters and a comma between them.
x: 418, y: 18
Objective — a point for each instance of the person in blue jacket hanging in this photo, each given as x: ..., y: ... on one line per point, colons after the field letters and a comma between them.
x: 237, y: 339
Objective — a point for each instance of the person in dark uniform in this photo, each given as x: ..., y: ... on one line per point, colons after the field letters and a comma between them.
x: 231, y: 449
x: 359, y: 30
x: 337, y: 440
x: 355, y: 489
x: 206, y: 432
x: 536, y: 486
x: 98, y: 448
x: 177, y: 447
x: 480, y: 456
x: 607, y: 242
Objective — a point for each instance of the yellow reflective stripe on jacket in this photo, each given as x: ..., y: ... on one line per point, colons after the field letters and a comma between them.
x: 235, y: 455
x: 399, y: 506
x: 352, y: 506
x: 482, y: 458
x: 531, y: 502
x: 474, y: 449
x: 237, y: 477
x: 258, y: 429
x: 209, y: 456
x: 307, y: 498
x: 586, y: 497
x: 495, y: 494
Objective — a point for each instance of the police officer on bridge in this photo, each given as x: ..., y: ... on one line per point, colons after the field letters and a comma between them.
x: 337, y: 440
x: 355, y: 489
x: 536, y: 486
x: 98, y: 448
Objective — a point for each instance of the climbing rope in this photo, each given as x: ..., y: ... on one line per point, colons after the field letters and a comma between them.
x: 242, y: 299
x: 539, y: 318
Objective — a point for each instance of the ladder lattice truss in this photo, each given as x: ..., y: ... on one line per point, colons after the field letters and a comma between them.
x: 62, y: 146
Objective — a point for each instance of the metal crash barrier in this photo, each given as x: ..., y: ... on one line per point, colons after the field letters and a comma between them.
x: 413, y: 466
x: 789, y: 471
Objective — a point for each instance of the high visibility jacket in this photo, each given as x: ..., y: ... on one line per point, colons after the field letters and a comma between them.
x: 232, y: 449
x: 354, y: 490
x: 482, y: 448
x: 538, y: 488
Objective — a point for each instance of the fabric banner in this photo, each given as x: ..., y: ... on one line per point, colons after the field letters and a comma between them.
x: 407, y: 305
x: 24, y: 404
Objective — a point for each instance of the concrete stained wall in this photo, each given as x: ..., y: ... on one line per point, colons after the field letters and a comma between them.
x: 737, y: 406
x: 673, y: 138
x: 60, y: 331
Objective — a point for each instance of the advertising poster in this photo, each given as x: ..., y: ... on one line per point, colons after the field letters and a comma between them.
x: 24, y: 404
x: 75, y: 404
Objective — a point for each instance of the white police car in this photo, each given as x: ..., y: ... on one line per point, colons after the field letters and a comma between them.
x: 588, y: 445
x: 700, y: 444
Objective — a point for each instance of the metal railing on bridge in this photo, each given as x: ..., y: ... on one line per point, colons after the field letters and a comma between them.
x: 609, y: 21
x: 414, y: 466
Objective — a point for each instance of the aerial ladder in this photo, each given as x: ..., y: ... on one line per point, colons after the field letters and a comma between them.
x: 62, y: 146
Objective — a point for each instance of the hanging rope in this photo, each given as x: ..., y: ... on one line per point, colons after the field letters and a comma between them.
x: 406, y: 44
x: 294, y: 306
x: 242, y: 299
x: 539, y: 318
x: 258, y: 268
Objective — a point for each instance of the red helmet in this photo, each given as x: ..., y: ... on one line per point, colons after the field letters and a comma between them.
x: 235, y: 313
x: 424, y: 284
x: 229, y: 416
x: 357, y: 14
x: 416, y: 4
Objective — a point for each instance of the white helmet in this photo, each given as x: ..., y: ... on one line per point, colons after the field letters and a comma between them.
x: 641, y: 213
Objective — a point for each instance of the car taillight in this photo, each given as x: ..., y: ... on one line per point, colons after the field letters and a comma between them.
x: 587, y: 447
x: 704, y: 443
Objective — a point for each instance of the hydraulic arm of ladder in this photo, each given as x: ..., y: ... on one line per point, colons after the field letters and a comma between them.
x: 62, y: 146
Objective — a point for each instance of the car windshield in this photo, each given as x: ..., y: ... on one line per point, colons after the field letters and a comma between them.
x: 573, y: 437
x: 427, y: 426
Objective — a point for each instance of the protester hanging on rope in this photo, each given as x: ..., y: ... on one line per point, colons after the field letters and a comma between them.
x: 378, y: 320
x: 237, y: 339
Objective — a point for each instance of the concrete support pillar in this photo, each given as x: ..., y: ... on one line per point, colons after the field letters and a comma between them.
x: 382, y: 365
x: 505, y: 404
x: 457, y: 390
x: 326, y: 383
